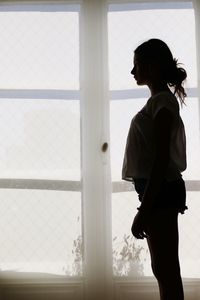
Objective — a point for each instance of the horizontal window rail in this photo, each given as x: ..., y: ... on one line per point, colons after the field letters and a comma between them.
x: 76, y: 94
x: 122, y: 186
x: 74, y: 185
x: 144, y: 5
x: 143, y: 93
x: 40, y: 184
x: 39, y: 94
x: 41, y: 6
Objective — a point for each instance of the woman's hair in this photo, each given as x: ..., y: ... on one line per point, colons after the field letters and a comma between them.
x: 157, y: 52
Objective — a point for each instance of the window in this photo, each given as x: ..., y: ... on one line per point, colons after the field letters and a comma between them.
x: 128, y: 26
x: 65, y: 91
x: 40, y: 139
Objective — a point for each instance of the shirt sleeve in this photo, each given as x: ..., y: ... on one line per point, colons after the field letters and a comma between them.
x: 128, y: 156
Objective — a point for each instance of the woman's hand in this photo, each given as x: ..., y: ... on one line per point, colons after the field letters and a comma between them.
x: 139, y: 225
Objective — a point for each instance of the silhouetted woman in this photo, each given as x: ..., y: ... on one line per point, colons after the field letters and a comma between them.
x: 154, y: 158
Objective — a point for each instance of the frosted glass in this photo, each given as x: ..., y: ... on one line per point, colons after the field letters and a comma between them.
x: 39, y: 49
x: 40, y: 232
x: 127, y: 29
x: 130, y: 256
x: 121, y: 114
x: 40, y: 139
x: 125, y: 250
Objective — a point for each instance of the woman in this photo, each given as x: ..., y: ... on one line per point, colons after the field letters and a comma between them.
x: 154, y: 158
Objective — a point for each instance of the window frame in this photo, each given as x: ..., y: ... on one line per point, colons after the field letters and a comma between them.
x: 39, y: 94
x: 96, y: 214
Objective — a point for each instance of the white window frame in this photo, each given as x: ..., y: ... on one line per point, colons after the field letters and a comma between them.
x: 96, y: 183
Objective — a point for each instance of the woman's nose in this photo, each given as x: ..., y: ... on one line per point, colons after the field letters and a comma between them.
x: 132, y: 71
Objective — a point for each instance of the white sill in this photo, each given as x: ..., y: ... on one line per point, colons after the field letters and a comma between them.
x: 10, y: 277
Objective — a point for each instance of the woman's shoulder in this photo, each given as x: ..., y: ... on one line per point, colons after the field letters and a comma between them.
x: 164, y: 96
x: 162, y: 99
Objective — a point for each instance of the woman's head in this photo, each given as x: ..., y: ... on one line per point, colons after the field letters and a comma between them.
x: 153, y: 61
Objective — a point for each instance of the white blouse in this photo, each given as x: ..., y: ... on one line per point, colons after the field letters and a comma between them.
x: 140, y: 150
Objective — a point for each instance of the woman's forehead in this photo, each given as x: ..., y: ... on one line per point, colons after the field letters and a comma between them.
x: 140, y: 59
x: 136, y: 58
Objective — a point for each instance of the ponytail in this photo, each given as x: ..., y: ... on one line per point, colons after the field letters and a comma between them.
x: 176, y: 77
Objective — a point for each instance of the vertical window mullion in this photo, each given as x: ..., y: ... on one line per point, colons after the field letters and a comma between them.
x: 95, y: 162
x: 196, y: 5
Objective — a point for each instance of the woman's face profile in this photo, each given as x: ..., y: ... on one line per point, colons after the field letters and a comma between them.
x: 140, y: 71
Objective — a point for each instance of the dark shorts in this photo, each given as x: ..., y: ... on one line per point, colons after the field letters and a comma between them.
x: 172, y: 194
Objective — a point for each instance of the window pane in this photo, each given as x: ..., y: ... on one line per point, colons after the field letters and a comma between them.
x: 121, y: 114
x: 40, y: 232
x: 39, y: 47
x: 190, y: 115
x: 124, y: 203
x: 130, y: 25
x: 40, y: 139
x: 135, y: 24
x: 189, y: 237
x: 130, y: 256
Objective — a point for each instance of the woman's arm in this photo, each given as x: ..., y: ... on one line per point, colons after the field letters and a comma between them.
x: 162, y: 135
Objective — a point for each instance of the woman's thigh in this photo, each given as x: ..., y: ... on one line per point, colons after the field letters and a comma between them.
x: 162, y: 238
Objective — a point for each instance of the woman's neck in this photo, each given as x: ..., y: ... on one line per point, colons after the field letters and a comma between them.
x: 156, y: 88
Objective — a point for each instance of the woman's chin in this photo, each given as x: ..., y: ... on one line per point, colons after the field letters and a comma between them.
x: 138, y: 82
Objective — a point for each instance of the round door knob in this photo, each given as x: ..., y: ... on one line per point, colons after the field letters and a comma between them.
x: 104, y: 147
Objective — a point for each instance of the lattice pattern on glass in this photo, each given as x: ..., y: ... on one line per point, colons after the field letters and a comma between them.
x: 189, y: 237
x: 128, y: 27
x: 190, y: 115
x: 130, y: 256
x: 121, y: 113
x: 39, y: 49
x: 41, y: 232
x: 40, y: 138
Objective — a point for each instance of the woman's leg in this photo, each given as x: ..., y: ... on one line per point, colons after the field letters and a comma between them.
x: 162, y: 238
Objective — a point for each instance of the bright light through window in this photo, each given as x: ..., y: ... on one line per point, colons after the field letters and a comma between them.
x: 40, y: 139
x: 39, y: 47
x: 130, y: 25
